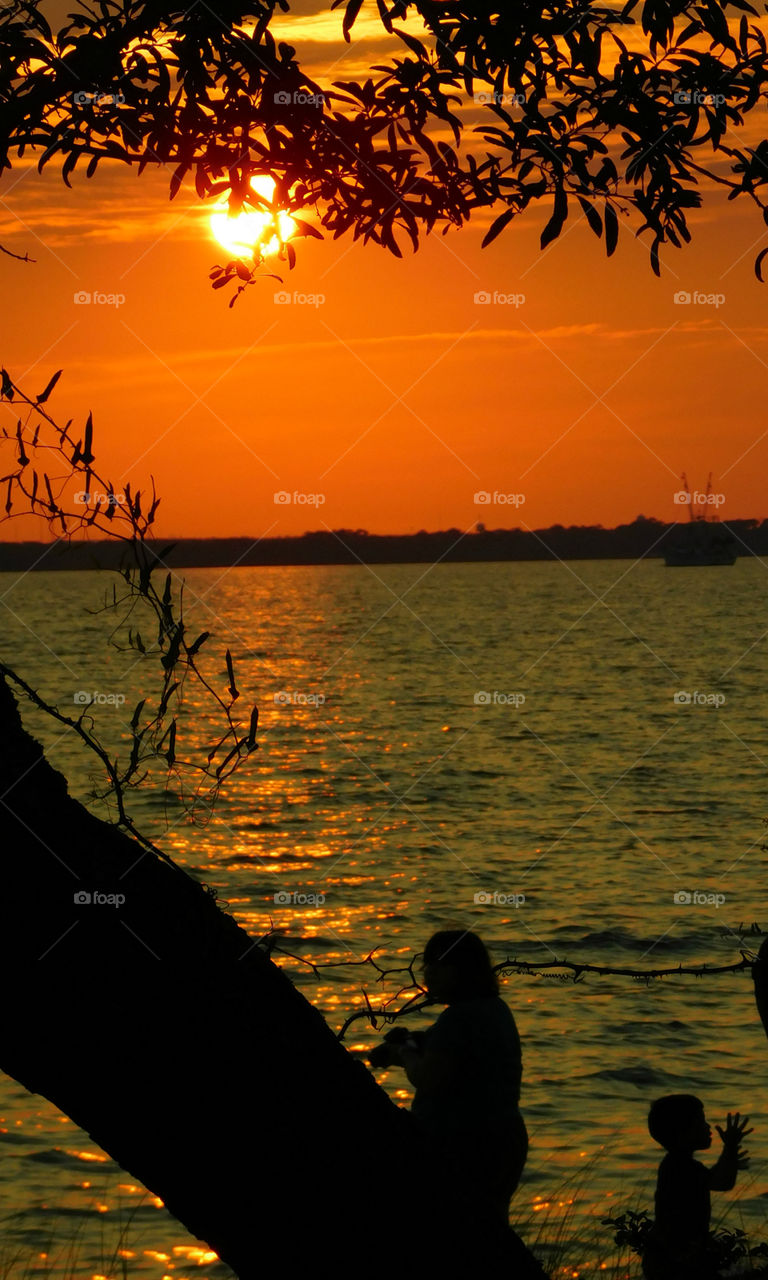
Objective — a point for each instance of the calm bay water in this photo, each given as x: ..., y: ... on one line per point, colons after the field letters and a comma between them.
x: 496, y: 747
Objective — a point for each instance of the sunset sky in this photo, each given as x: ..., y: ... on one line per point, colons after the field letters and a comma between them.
x: 398, y: 396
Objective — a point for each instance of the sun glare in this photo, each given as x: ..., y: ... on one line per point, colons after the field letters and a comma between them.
x: 253, y: 231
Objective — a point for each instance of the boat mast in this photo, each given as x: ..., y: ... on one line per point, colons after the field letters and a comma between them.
x: 684, y: 479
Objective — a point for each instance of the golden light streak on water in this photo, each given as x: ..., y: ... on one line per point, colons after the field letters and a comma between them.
x: 309, y: 818
x: 194, y: 1253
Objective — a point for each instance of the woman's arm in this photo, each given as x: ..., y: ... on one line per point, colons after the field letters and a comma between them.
x: 433, y: 1058
x: 415, y: 1062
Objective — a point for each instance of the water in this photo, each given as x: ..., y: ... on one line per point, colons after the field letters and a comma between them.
x: 509, y: 731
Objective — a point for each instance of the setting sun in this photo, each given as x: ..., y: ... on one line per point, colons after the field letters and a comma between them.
x: 253, y: 232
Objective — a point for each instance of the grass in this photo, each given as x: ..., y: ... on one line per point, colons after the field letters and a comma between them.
x: 65, y: 1255
x: 569, y: 1247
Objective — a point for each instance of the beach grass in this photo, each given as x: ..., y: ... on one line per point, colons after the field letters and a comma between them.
x: 569, y: 1244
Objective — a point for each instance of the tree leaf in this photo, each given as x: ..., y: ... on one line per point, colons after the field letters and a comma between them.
x: 592, y: 216
x: 611, y: 229
x: 350, y: 14
x: 251, y: 741
x: 498, y: 226
x: 557, y: 221
x: 231, y: 673
x: 41, y: 399
x: 198, y: 644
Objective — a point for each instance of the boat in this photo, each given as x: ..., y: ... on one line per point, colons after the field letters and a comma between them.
x: 704, y: 540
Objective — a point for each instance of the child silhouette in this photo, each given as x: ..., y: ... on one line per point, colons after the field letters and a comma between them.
x: 679, y: 1245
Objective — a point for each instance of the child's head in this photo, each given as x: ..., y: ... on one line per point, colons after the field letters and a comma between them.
x: 677, y: 1122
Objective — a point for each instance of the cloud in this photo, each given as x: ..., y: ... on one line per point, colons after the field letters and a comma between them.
x: 144, y: 367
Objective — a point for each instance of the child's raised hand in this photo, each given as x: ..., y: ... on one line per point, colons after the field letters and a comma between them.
x: 735, y: 1130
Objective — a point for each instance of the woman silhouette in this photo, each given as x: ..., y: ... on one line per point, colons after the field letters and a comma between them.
x: 466, y: 1071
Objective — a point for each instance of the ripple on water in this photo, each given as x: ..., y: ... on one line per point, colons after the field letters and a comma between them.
x: 598, y: 797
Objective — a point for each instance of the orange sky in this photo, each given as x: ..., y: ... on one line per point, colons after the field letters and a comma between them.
x: 398, y: 397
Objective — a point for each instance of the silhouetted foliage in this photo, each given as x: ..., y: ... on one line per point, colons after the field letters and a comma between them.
x: 633, y: 1228
x: 150, y: 616
x: 607, y: 111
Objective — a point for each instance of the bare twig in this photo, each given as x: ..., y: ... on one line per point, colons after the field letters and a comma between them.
x: 564, y: 970
x: 128, y: 516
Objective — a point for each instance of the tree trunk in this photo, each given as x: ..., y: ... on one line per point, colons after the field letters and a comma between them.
x: 168, y: 1036
x: 760, y: 978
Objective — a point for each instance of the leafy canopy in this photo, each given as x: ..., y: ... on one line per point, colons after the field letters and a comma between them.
x: 604, y: 108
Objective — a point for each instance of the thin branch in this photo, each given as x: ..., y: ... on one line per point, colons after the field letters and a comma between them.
x: 18, y: 256
x: 575, y: 971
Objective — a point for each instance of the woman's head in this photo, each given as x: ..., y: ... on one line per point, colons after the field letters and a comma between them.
x: 458, y: 967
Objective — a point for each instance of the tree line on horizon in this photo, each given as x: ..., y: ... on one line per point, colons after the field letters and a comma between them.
x: 644, y: 536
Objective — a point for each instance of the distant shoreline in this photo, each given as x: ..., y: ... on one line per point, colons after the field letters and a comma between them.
x: 643, y: 537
